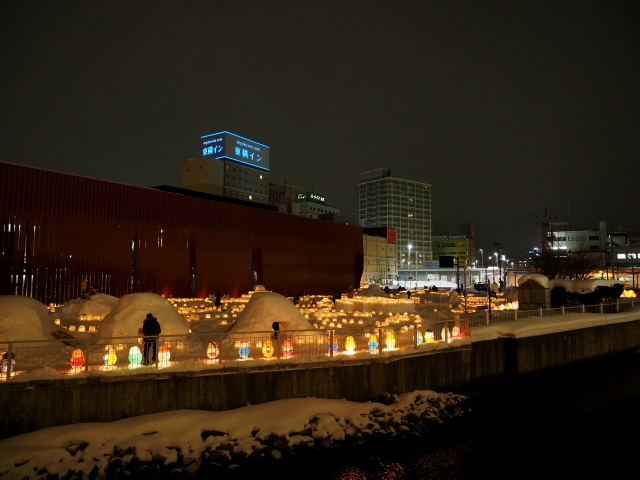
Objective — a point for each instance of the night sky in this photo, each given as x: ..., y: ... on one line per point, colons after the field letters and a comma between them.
x: 506, y: 108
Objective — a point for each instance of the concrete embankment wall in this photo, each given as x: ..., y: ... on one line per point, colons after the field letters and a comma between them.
x: 46, y: 403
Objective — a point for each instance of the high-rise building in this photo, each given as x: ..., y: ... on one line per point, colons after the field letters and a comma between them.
x: 229, y: 166
x: 386, y: 201
x: 299, y: 201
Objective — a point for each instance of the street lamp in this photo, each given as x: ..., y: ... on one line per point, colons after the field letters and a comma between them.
x: 482, y: 261
x: 409, y: 247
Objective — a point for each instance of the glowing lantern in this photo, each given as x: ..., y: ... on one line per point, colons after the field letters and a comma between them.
x: 164, y: 354
x: 4, y: 365
x: 373, y: 343
x: 267, y: 349
x: 77, y: 358
x: 332, y: 347
x: 135, y: 356
x: 243, y: 351
x: 110, y: 357
x: 212, y: 351
x: 390, y: 341
x: 429, y: 337
x: 287, y: 348
x: 443, y: 334
x: 350, y: 345
x: 419, y: 338
x: 455, y: 332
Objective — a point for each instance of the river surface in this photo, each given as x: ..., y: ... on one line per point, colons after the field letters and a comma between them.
x: 576, y: 422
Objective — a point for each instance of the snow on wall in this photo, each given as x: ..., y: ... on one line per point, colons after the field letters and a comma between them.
x: 264, y: 308
x: 581, y: 286
x: 541, y: 279
x: 127, y: 316
x: 372, y: 291
x: 24, y: 318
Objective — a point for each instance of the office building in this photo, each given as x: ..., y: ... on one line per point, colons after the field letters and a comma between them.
x: 299, y: 201
x: 405, y: 205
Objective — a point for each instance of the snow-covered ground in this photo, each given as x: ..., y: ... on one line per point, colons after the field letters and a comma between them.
x: 185, y: 440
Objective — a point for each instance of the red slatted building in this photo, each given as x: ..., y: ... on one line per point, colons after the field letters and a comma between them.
x: 58, y: 229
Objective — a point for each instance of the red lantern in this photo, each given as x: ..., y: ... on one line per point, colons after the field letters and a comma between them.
x: 287, y: 348
x: 77, y: 358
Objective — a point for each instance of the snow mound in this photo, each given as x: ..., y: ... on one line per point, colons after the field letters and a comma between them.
x: 582, y: 286
x: 127, y: 316
x: 24, y: 318
x: 96, y: 305
x: 264, y: 308
x: 372, y: 291
x: 541, y: 279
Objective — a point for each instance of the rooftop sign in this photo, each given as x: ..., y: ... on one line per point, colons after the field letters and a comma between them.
x: 229, y: 146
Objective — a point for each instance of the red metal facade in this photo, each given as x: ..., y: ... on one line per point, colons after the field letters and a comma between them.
x: 58, y: 229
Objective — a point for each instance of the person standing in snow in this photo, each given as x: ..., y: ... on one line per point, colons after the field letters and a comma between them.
x: 83, y: 288
x: 218, y: 302
x: 150, y: 331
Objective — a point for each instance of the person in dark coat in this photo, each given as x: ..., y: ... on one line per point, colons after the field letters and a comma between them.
x: 150, y: 331
x: 218, y: 302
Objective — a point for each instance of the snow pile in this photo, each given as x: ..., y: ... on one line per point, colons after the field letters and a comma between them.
x: 372, y: 291
x: 24, y: 318
x: 264, y: 308
x: 127, y: 316
x: 99, y: 305
x: 541, y: 279
x: 582, y: 286
x: 183, y: 441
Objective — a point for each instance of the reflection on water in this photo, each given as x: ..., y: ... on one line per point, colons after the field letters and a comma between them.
x: 577, y: 422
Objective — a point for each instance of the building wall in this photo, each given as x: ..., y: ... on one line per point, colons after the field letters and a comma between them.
x: 379, y: 260
x: 58, y: 229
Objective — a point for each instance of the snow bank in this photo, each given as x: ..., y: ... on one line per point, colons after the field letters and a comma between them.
x: 24, y: 318
x: 372, y: 291
x: 127, y: 316
x: 541, y: 279
x: 264, y: 308
x: 189, y: 438
x: 99, y: 304
x: 582, y: 286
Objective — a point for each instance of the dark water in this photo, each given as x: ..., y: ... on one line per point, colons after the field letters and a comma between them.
x: 576, y: 422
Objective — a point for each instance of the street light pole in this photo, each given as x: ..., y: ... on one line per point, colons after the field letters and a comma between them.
x: 482, y: 262
x: 409, y: 247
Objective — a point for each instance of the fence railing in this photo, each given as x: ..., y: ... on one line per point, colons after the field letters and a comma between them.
x: 192, y: 351
x: 498, y: 316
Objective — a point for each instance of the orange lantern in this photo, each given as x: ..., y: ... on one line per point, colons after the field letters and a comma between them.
x: 77, y: 358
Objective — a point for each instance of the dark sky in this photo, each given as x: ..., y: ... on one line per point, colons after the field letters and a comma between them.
x: 506, y: 108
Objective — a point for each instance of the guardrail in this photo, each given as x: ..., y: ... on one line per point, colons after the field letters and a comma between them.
x: 498, y: 316
x: 192, y: 351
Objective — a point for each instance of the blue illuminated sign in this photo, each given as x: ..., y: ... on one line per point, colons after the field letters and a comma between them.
x: 227, y: 145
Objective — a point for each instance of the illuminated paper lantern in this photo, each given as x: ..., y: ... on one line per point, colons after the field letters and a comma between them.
x: 77, y: 358
x: 267, y: 349
x: 212, y: 351
x: 332, y: 347
x: 243, y: 351
x: 135, y: 356
x: 110, y: 357
x: 373, y: 343
x: 429, y: 337
x: 419, y: 338
x: 444, y: 333
x: 350, y: 345
x: 455, y: 332
x: 390, y: 341
x: 287, y: 348
x: 164, y: 354
x: 4, y: 365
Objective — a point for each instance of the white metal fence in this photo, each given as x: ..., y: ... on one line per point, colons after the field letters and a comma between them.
x: 498, y: 316
x: 192, y: 351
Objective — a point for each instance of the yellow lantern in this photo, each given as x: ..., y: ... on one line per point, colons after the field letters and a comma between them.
x: 350, y: 345
x: 390, y: 341
x: 429, y: 337
x: 267, y: 349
